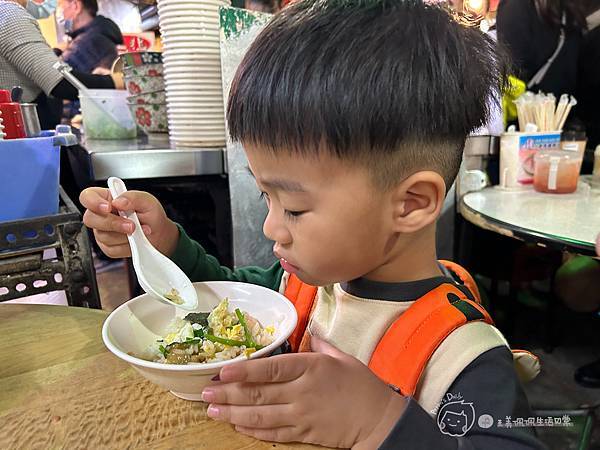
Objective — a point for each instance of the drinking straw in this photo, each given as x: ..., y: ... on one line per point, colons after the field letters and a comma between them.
x: 572, y: 103
x: 560, y: 109
x: 529, y: 108
x: 520, y: 113
x: 539, y: 113
x: 550, y: 106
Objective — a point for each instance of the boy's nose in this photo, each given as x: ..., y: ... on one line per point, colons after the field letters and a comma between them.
x: 275, y: 230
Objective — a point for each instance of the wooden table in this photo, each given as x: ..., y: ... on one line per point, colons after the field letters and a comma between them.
x: 61, y: 388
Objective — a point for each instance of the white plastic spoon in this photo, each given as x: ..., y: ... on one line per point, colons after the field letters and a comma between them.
x: 156, y: 273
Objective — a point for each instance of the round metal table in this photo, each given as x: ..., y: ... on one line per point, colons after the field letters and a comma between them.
x: 568, y: 222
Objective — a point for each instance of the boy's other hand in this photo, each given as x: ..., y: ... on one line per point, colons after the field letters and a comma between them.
x: 326, y: 397
x: 111, y: 230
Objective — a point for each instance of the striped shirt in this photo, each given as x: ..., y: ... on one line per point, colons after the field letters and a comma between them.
x: 26, y: 59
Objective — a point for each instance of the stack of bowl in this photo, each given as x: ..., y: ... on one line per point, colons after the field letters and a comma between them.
x: 192, y: 70
x: 143, y: 72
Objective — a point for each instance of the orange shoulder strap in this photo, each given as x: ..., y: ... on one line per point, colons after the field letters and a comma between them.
x: 302, y: 296
x: 464, y: 276
x: 404, y: 350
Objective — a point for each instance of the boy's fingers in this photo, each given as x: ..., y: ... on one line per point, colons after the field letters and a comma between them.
x: 116, y: 251
x: 108, y: 222
x: 275, y: 369
x: 139, y: 201
x: 247, y: 394
x: 110, y: 238
x: 271, y: 416
x: 96, y: 199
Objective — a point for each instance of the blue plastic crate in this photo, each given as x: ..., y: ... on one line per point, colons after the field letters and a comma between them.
x: 29, y: 178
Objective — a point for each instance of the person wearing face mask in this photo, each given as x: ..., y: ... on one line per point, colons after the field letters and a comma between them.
x: 94, y: 38
x: 27, y: 60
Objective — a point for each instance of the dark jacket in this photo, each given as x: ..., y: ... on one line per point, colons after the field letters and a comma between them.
x: 589, y: 86
x: 531, y: 41
x: 94, y: 45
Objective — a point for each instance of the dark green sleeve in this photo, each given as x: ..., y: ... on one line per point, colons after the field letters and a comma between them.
x: 199, y: 266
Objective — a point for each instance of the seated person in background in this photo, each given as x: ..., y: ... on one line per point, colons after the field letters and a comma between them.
x: 94, y: 38
x: 530, y: 30
x: 589, y: 77
x: 353, y: 141
x: 26, y: 60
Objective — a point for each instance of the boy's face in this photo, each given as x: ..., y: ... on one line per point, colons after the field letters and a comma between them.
x: 329, y: 223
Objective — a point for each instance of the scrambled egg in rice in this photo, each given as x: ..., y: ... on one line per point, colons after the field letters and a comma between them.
x: 203, y: 337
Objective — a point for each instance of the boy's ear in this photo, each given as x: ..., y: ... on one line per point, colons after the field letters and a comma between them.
x: 417, y: 201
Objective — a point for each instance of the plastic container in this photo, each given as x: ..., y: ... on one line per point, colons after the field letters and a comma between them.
x: 12, y: 117
x: 574, y: 140
x: 556, y: 172
x: 517, y: 151
x: 106, y: 115
x: 30, y: 179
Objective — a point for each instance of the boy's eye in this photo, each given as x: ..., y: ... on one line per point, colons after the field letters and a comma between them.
x: 294, y: 214
x: 264, y: 196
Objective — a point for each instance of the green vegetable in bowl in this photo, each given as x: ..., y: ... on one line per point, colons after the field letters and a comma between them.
x: 204, y: 337
x: 200, y: 318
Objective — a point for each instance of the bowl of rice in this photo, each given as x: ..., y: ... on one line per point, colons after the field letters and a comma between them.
x: 182, y: 351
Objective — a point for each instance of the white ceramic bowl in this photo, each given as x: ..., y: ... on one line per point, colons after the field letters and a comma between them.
x: 208, y: 111
x: 197, y: 21
x: 136, y: 324
x: 199, y: 92
x: 192, y: 124
x: 202, y: 79
x: 192, y: 29
x: 205, y: 5
x: 179, y: 144
x: 197, y: 136
x: 191, y: 116
x: 185, y: 13
x: 179, y: 36
x: 202, y: 86
x: 196, y: 42
x: 202, y: 106
x: 192, y: 60
x: 186, y: 52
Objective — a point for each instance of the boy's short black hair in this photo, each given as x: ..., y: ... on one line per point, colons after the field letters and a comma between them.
x: 394, y: 84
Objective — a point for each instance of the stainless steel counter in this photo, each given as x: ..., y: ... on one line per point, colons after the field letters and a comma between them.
x: 144, y: 157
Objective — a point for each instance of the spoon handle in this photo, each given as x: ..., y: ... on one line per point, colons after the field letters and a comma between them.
x: 116, y: 186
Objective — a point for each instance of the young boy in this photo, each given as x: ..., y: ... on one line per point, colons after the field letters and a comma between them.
x: 353, y: 115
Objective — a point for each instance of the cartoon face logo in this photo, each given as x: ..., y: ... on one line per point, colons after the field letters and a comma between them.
x: 454, y: 421
x: 456, y: 418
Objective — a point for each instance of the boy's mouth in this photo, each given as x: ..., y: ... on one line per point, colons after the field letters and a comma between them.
x: 288, y: 267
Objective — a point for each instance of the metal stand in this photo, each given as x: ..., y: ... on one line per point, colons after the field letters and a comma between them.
x: 24, y: 272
